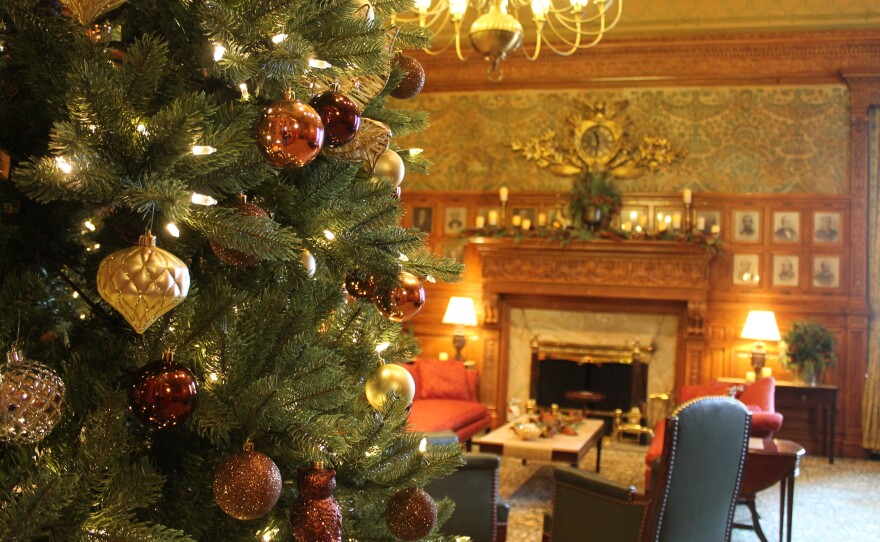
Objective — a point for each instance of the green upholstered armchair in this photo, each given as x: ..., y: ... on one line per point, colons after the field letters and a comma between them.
x: 693, y: 494
x: 474, y: 489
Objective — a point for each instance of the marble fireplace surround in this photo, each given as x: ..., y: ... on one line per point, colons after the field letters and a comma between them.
x: 663, y: 285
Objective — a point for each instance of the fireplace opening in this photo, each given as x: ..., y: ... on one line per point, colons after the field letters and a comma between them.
x: 623, y: 385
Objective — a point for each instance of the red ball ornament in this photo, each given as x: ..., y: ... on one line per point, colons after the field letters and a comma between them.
x: 290, y: 133
x: 413, y: 78
x: 410, y: 514
x: 404, y: 301
x: 340, y: 115
x: 315, y: 516
x: 230, y: 255
x: 247, y: 485
x: 164, y: 393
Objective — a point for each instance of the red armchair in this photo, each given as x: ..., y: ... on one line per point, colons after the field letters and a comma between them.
x: 758, y: 397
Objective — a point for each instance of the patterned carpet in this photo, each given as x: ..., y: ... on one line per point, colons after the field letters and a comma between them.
x: 831, y: 502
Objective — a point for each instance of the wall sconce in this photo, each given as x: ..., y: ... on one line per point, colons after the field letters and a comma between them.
x: 760, y: 326
x: 460, y: 312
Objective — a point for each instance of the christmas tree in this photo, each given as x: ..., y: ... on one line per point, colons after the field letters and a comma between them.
x: 185, y: 364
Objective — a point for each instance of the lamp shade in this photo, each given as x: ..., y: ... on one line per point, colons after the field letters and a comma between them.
x: 761, y: 326
x: 461, y: 312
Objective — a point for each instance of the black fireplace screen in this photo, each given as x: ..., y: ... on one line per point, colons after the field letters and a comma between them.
x: 623, y: 385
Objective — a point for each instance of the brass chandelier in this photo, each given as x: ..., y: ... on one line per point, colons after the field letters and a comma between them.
x: 495, y: 29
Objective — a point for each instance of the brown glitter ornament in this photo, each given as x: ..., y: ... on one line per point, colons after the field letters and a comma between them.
x: 413, y: 78
x: 143, y: 282
x: 164, y: 393
x: 389, y: 377
x: 30, y: 400
x: 247, y: 485
x: 359, y: 284
x: 230, y: 255
x: 410, y: 514
x: 340, y: 115
x: 403, y: 302
x: 290, y: 133
x: 390, y: 165
x: 315, y: 516
x: 5, y: 165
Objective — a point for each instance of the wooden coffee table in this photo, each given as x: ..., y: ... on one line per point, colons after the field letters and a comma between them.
x: 569, y: 449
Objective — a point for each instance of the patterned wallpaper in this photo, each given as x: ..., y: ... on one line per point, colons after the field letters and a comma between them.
x: 773, y: 139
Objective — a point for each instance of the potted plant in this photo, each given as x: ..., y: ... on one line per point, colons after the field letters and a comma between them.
x: 594, y: 199
x: 807, y: 348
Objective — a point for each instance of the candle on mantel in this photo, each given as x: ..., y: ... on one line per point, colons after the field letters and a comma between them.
x: 716, y: 229
x: 542, y: 220
x: 687, y: 196
x: 493, y: 218
x: 701, y: 223
x: 766, y: 372
x: 480, y: 222
x: 526, y: 224
x: 676, y: 221
x: 502, y: 193
x: 662, y: 225
x: 750, y: 376
x: 515, y: 221
x: 443, y: 356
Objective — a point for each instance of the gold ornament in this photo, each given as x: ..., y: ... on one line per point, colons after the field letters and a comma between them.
x: 390, y: 377
x: 143, y: 282
x: 247, y: 485
x: 30, y: 400
x: 87, y: 11
x: 390, y: 165
x: 370, y: 141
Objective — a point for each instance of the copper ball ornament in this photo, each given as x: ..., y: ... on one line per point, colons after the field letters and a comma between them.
x: 403, y: 302
x: 410, y: 514
x: 315, y: 516
x: 247, y: 485
x: 231, y: 255
x: 164, y: 393
x: 389, y: 377
x: 359, y: 284
x: 413, y: 77
x: 290, y: 133
x: 390, y: 165
x: 31, y: 396
x: 339, y: 114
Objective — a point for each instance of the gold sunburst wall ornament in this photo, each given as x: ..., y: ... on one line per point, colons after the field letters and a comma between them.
x: 596, y: 144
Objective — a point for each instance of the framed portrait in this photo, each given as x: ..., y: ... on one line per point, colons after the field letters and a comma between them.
x: 455, y: 219
x: 454, y: 248
x: 708, y: 221
x: 524, y: 213
x: 826, y: 227
x: 423, y: 218
x: 785, y: 270
x: 786, y: 227
x: 826, y: 272
x: 747, y: 226
x: 746, y: 269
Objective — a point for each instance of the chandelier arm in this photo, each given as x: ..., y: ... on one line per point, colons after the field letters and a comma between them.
x: 539, y: 34
x: 575, y: 46
x: 458, y: 41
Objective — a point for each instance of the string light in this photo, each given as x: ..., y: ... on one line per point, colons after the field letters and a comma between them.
x: 244, y: 91
x: 214, y: 377
x: 201, y: 150
x: 142, y: 129
x: 319, y: 64
x: 201, y: 199
x: 89, y: 225
x: 62, y: 164
x: 423, y: 445
x: 403, y: 257
x: 381, y: 347
x: 173, y: 229
x: 278, y: 38
x: 219, y: 51
x: 431, y: 279
x: 75, y: 295
x: 329, y: 235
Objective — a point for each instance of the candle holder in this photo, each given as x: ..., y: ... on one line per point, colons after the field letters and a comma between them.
x: 503, y: 223
x: 687, y: 221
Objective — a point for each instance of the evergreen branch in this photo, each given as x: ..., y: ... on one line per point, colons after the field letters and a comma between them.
x: 253, y: 235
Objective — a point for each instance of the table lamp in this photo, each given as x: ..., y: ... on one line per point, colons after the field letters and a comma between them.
x: 760, y: 326
x: 460, y: 312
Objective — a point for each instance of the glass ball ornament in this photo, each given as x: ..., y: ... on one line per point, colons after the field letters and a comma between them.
x: 164, y: 393
x: 390, y: 165
x: 403, y: 302
x: 339, y: 114
x: 359, y: 284
x: 31, y: 396
x: 290, y: 133
x: 247, y: 484
x: 389, y: 377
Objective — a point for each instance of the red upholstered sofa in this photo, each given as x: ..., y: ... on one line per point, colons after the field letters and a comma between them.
x: 758, y: 397
x: 447, y: 399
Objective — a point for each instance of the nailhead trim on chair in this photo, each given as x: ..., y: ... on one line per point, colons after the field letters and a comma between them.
x: 671, y: 461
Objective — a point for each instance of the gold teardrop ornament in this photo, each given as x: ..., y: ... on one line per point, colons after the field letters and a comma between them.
x: 143, y: 282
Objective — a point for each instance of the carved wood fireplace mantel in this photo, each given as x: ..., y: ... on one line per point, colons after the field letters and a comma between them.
x: 627, y: 273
